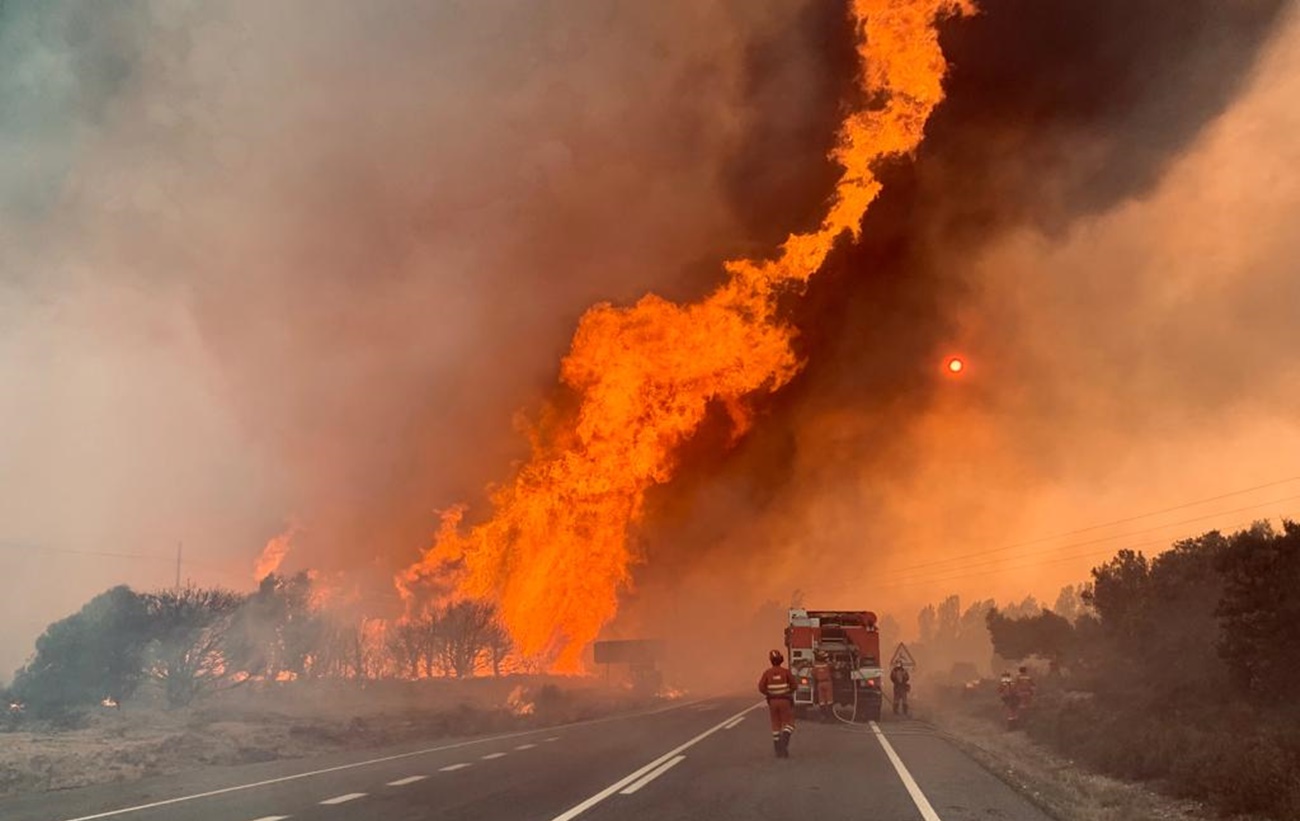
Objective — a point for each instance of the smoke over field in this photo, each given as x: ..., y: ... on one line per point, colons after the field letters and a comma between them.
x: 297, y: 269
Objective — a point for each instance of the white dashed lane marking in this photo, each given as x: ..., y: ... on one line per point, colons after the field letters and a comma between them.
x: 627, y: 780
x: 733, y: 723
x: 552, y: 738
x: 410, y: 779
x: 271, y: 818
x: 451, y: 767
x: 653, y: 774
x: 525, y: 746
x: 343, y: 799
x: 357, y: 764
x: 491, y: 756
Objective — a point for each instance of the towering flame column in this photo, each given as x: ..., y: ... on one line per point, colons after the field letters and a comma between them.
x: 554, y: 554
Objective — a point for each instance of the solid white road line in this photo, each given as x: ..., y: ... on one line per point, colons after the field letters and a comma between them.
x: 491, y: 756
x: 918, y: 798
x: 410, y: 779
x: 653, y: 774
x: 452, y: 767
x: 579, y: 809
x: 733, y: 723
x: 253, y: 785
x: 525, y: 746
x: 343, y: 799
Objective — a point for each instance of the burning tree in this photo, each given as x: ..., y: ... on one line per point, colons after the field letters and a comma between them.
x: 276, y: 631
x: 499, y: 645
x: 465, y: 631
x: 414, y: 646
x: 356, y: 647
x: 453, y: 640
x: 188, y: 654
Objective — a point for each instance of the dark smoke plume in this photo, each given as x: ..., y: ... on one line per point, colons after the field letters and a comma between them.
x: 1058, y: 114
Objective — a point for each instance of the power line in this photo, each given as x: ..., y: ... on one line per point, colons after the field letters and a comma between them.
x: 149, y: 557
x: 1126, y: 520
x: 72, y: 552
x: 955, y: 575
x: 1113, y: 537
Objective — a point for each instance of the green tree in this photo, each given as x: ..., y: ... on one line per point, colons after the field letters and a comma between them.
x: 1068, y: 604
x: 93, y: 654
x: 1045, y: 635
x: 925, y: 622
x: 1158, y: 619
x: 1119, y: 593
x: 1260, y: 611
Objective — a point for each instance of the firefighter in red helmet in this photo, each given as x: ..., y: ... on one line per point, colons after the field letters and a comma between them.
x: 777, y: 684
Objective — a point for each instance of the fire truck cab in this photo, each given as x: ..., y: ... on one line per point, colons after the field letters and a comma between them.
x: 851, y: 643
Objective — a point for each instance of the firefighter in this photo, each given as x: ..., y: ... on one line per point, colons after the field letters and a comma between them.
x: 777, y: 685
x: 1010, y: 698
x: 902, y: 681
x: 1025, y: 688
x: 822, y: 680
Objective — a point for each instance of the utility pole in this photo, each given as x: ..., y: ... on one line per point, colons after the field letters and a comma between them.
x: 179, y: 545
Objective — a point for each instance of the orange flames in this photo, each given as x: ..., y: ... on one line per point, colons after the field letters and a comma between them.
x: 272, y: 555
x: 555, y: 552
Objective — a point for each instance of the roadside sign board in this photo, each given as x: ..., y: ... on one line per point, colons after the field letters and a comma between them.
x: 904, y: 656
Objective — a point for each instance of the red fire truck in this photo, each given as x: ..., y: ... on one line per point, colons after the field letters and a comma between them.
x: 851, y: 643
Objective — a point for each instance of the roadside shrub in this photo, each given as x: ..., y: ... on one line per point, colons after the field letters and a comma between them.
x: 550, y: 699
x: 1252, y: 773
x: 1237, y: 759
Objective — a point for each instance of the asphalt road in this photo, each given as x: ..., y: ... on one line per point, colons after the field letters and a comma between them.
x: 707, y: 760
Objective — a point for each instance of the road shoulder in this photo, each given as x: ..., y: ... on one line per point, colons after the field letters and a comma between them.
x: 1057, y: 785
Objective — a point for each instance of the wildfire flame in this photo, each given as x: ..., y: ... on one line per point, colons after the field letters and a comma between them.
x: 272, y: 555
x: 519, y: 702
x: 555, y: 552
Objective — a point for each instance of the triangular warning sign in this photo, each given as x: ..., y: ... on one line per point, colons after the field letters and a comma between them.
x: 902, y: 656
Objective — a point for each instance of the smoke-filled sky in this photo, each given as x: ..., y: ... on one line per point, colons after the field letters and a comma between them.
x: 306, y: 261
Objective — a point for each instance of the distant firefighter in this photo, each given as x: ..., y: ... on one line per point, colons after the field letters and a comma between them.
x: 902, y: 681
x: 1025, y: 688
x: 777, y: 684
x: 822, y: 681
x: 1017, y: 694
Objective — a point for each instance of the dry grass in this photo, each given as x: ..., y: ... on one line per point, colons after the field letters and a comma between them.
x: 1060, y: 786
x: 284, y: 721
